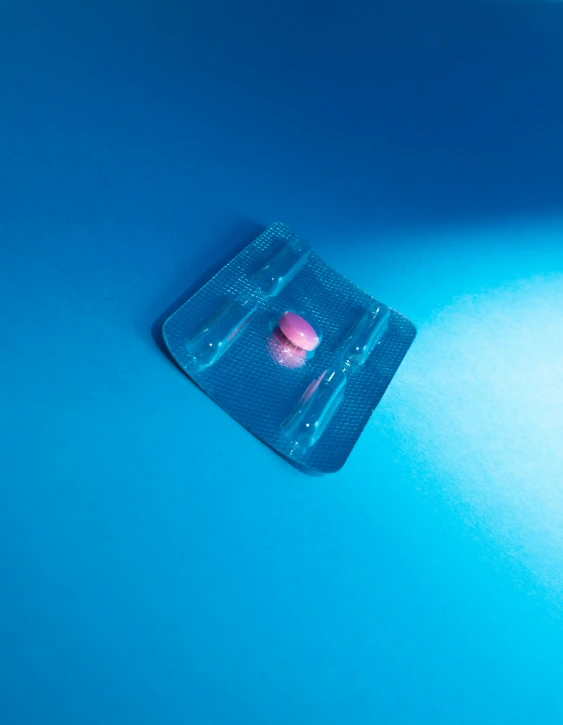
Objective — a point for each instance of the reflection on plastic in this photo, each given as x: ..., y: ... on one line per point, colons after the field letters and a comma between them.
x: 283, y: 352
x: 218, y: 332
x: 362, y: 338
x: 315, y: 410
x: 282, y: 267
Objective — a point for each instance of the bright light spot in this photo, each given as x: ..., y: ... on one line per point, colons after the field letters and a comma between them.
x: 478, y: 404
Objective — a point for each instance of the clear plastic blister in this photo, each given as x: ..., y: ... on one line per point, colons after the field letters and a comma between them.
x: 295, y: 352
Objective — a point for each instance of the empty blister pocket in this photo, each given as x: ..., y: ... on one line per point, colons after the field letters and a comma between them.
x: 292, y: 350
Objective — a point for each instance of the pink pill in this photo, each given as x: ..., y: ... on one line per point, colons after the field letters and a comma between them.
x: 298, y: 331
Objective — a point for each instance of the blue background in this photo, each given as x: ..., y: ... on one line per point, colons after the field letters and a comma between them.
x: 160, y: 565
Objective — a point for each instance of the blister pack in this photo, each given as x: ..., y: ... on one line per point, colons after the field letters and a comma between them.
x: 291, y: 349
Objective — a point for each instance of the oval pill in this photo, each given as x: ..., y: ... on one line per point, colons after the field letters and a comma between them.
x: 298, y: 331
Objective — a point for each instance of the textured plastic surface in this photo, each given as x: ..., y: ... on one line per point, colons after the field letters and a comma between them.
x: 256, y: 389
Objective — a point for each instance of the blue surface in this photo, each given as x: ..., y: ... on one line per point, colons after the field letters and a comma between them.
x: 159, y: 564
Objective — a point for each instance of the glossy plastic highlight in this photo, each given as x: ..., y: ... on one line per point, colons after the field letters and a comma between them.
x: 315, y: 410
x: 364, y: 335
x: 282, y: 267
x: 218, y: 332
